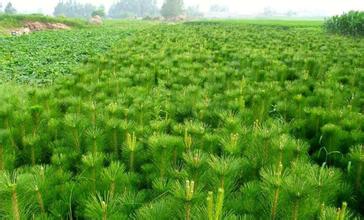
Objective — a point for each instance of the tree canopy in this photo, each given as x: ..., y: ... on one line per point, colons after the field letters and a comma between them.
x: 219, y: 8
x: 99, y: 12
x: 9, y: 9
x: 194, y: 11
x: 133, y: 8
x: 74, y: 9
x: 172, y: 8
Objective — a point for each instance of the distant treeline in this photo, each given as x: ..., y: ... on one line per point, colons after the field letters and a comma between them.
x: 74, y: 9
x: 126, y: 9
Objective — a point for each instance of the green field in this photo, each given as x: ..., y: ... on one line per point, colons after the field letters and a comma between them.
x: 42, y: 56
x: 232, y: 119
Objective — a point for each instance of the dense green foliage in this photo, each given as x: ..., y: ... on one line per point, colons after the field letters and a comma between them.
x: 192, y: 121
x: 351, y: 23
x: 40, y: 57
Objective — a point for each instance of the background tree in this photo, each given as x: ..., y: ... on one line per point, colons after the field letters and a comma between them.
x: 268, y: 12
x: 172, y: 8
x: 148, y: 8
x: 74, y: 9
x: 194, y: 11
x: 133, y: 8
x: 99, y: 12
x: 219, y: 9
x: 9, y: 9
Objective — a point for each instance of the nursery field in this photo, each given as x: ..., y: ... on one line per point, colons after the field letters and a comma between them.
x: 199, y: 120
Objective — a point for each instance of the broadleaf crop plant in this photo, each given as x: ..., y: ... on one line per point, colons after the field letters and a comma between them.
x: 201, y: 120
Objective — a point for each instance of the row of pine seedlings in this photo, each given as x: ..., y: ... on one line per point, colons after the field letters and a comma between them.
x: 121, y: 141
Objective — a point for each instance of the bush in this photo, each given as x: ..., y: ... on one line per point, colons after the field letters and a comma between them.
x: 351, y: 23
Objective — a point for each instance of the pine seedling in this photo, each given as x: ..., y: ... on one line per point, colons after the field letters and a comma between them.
x: 300, y: 149
x: 64, y: 159
x: 273, y: 179
x: 157, y: 209
x: 341, y: 212
x: 231, y: 144
x: 195, y: 128
x: 214, y: 211
x: 187, y: 140
x: 95, y: 135
x: 195, y: 161
x: 282, y: 144
x: 328, y: 213
x: 92, y: 163
x: 131, y: 201
x: 165, y: 150
x: 299, y: 189
x: 36, y: 186
x: 356, y: 155
x: 297, y: 196
x: 327, y: 182
x: 161, y: 186
x: 189, y: 193
x: 131, y: 146
x: 114, y: 174
x: 113, y: 109
x: 224, y: 168
x: 5, y: 115
x: 54, y: 127
x: 43, y: 96
x: 4, y: 135
x: 161, y: 124
x: 32, y: 141
x: 263, y: 136
x: 92, y: 106
x: 35, y: 113
x: 114, y: 124
x: 231, y: 121
x: 73, y: 122
x: 331, y: 137
x: 103, y: 207
x: 21, y: 121
x: 9, y: 191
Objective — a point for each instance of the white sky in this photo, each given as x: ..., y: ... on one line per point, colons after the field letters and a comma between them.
x: 325, y: 7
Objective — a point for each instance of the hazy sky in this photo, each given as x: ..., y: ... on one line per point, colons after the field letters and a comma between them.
x: 326, y: 7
